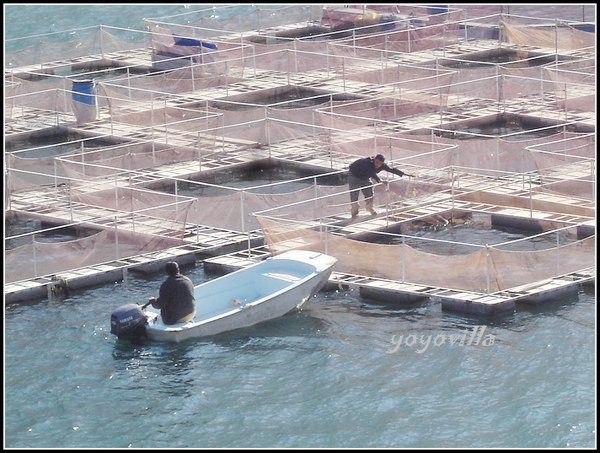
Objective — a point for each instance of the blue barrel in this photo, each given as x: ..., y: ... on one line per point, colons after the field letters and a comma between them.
x: 84, y: 91
x: 84, y: 101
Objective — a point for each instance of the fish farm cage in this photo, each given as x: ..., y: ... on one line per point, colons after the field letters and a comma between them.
x: 125, y: 148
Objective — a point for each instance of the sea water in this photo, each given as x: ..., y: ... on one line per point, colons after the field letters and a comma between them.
x: 345, y: 372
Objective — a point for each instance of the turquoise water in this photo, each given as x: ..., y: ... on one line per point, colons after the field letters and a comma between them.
x: 344, y: 372
x: 36, y: 19
x: 335, y: 374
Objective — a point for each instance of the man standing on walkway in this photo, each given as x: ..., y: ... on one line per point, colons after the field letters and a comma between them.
x: 361, y: 172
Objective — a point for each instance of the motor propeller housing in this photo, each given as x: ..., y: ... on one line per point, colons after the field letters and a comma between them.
x: 128, y: 322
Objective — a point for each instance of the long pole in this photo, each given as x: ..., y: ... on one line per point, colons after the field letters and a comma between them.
x: 487, y: 257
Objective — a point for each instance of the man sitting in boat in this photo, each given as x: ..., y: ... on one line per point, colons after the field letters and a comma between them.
x: 176, y: 297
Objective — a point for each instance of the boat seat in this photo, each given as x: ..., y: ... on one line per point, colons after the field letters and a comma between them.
x: 282, y: 276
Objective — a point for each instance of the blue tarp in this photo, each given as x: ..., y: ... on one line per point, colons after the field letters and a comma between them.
x: 181, y: 41
x: 437, y: 9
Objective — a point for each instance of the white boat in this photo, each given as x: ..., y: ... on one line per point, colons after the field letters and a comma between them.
x: 259, y: 292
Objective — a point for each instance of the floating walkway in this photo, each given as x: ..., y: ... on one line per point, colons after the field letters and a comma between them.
x: 59, y: 284
x: 138, y: 60
x: 382, y: 290
x: 406, y: 294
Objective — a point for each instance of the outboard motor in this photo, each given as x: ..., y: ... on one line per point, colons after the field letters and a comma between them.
x: 128, y: 322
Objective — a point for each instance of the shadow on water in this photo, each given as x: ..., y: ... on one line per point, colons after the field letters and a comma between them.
x: 459, y: 321
x: 373, y: 307
x: 295, y: 324
x: 525, y: 315
x: 550, y: 307
x: 298, y: 323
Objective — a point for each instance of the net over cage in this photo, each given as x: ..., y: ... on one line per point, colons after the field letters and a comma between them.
x: 485, y: 270
x: 212, y: 93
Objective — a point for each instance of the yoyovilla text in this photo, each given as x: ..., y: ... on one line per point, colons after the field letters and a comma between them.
x: 421, y: 343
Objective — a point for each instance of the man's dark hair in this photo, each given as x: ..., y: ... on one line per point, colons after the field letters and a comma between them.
x: 172, y: 268
x: 380, y: 157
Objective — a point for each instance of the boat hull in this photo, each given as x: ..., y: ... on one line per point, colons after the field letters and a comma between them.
x: 260, y: 292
